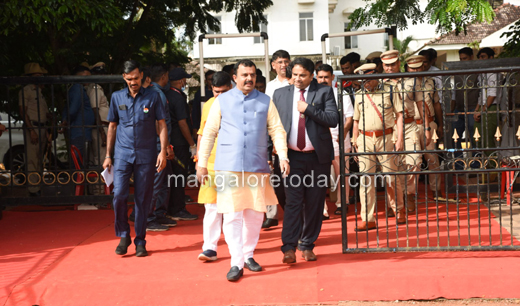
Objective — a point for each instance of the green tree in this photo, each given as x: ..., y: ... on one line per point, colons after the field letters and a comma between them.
x: 448, y: 15
x: 512, y: 46
x: 62, y: 33
x: 402, y: 47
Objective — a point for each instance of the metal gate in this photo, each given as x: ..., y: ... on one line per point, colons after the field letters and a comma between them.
x: 461, y: 186
x: 56, y: 176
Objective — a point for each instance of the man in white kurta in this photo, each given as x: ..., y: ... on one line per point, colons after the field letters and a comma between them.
x: 243, y: 118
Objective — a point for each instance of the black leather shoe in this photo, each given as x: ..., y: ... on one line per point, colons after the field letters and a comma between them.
x: 234, y: 274
x: 269, y: 223
x: 140, y: 251
x: 123, y: 245
x: 337, y: 211
x: 252, y: 265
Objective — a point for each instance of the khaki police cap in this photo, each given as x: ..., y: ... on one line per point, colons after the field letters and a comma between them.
x: 374, y: 55
x: 390, y: 57
x: 33, y: 68
x: 364, y: 68
x: 415, y: 61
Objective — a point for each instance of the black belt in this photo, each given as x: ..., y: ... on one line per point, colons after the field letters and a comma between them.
x: 305, y: 152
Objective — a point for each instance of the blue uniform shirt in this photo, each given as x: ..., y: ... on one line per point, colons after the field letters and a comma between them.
x: 157, y: 88
x: 135, y: 117
x: 80, y: 114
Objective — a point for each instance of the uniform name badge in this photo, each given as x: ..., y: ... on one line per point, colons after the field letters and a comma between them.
x: 145, y: 110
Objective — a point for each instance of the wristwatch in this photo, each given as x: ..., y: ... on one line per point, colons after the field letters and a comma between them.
x: 428, y: 129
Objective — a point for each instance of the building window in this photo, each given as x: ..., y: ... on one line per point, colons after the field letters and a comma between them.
x: 306, y: 27
x: 350, y: 41
x: 216, y: 41
x: 263, y: 28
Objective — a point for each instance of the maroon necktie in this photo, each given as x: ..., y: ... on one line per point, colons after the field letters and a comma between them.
x: 300, y: 143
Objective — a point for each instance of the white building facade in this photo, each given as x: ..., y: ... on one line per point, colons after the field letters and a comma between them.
x: 297, y: 27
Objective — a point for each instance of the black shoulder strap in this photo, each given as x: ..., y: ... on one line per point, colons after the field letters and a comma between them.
x: 392, y: 94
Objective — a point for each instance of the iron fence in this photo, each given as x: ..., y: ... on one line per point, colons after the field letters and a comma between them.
x: 450, y: 190
x: 40, y: 151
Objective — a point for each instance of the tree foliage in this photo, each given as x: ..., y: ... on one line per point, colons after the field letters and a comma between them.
x: 448, y: 15
x: 62, y: 33
x: 512, y: 46
x: 402, y: 46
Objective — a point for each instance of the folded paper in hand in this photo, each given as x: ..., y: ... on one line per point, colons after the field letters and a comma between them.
x: 108, y: 176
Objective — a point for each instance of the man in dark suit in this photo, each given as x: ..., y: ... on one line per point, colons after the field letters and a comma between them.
x: 308, y: 111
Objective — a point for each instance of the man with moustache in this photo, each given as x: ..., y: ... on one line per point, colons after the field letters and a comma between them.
x: 376, y: 115
x: 325, y: 75
x: 308, y: 111
x: 243, y: 118
x: 133, y: 114
x: 426, y: 96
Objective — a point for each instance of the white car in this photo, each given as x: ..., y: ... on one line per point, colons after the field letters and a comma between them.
x: 12, y: 147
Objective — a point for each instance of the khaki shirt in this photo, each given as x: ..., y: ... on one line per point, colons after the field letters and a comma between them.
x: 411, y: 95
x: 425, y: 91
x: 31, y: 97
x: 367, y: 116
x: 98, y: 100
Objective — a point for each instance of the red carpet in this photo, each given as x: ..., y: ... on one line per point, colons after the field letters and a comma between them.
x: 67, y: 258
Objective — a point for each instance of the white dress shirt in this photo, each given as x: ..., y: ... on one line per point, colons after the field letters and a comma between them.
x: 348, y: 111
x: 438, y: 83
x: 293, y: 135
x: 489, y: 84
x: 274, y: 85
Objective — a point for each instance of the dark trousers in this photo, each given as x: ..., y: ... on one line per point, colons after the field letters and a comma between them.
x: 143, y: 191
x: 161, y: 192
x: 178, y: 180
x: 280, y: 189
x: 304, y: 201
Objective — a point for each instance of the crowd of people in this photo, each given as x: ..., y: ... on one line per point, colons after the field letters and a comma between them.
x: 250, y: 130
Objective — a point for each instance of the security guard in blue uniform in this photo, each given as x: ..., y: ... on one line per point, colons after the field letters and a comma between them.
x: 133, y: 114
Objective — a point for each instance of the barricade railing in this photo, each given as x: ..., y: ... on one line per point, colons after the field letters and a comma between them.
x: 454, y: 191
x: 37, y: 159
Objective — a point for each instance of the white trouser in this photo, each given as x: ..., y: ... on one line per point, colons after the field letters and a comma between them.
x: 211, y: 226
x: 242, y: 231
x: 337, y: 173
x: 272, y: 212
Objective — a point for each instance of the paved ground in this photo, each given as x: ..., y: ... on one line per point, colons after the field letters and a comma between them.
x: 510, y: 215
x: 440, y: 302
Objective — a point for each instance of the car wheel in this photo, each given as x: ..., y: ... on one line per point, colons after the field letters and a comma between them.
x: 18, y: 161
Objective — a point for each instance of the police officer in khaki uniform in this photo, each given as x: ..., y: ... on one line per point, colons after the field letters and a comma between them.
x: 375, y: 58
x: 426, y: 92
x: 413, y: 99
x: 391, y: 64
x: 374, y: 122
x: 34, y: 112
